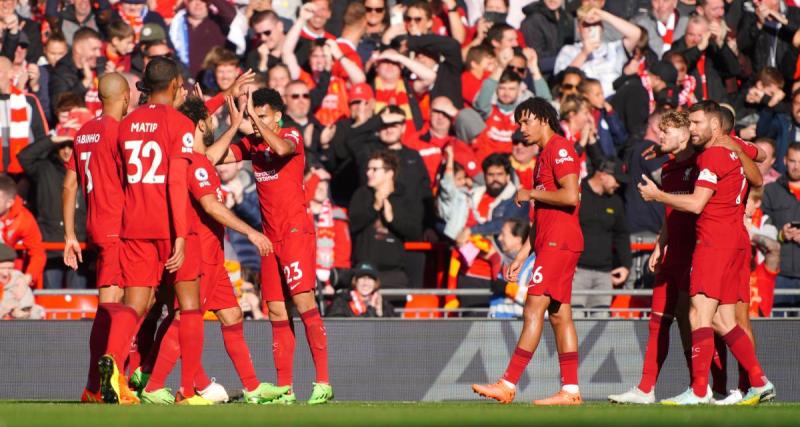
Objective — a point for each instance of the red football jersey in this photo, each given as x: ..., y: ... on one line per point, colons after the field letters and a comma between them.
x: 678, y: 177
x: 96, y: 161
x: 496, y: 137
x: 430, y: 153
x: 721, y: 223
x: 279, y: 182
x: 202, y: 179
x: 151, y: 138
x: 556, y: 227
x: 349, y: 51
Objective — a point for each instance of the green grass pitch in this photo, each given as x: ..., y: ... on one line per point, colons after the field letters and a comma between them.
x: 393, y: 414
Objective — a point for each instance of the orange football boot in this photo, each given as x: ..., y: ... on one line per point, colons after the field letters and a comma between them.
x: 562, y: 398
x: 126, y: 395
x: 498, y: 391
x: 91, y: 396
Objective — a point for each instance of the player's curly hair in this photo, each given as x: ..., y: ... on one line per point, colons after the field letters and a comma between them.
x: 271, y: 97
x: 194, y: 108
x: 674, y: 119
x: 540, y: 109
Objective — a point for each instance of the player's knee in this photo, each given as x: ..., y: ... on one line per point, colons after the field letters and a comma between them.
x: 304, y: 301
x: 277, y: 311
x: 230, y: 316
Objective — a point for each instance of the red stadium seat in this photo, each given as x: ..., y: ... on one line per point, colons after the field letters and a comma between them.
x: 68, y: 306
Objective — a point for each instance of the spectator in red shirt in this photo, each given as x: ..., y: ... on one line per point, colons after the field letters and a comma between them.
x: 19, y: 226
x: 479, y: 63
x: 119, y: 47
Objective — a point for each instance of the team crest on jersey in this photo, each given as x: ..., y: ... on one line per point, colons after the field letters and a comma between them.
x: 201, y: 175
x: 563, y: 152
x: 188, y: 143
x: 687, y: 174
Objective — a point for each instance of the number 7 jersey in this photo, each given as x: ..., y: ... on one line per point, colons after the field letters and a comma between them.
x: 150, y: 139
x: 721, y: 223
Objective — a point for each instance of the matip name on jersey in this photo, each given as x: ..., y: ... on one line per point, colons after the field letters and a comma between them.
x: 143, y: 127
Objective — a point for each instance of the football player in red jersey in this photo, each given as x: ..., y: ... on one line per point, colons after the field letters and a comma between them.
x: 155, y: 145
x: 720, y: 263
x: 288, y: 272
x: 95, y: 168
x: 557, y: 240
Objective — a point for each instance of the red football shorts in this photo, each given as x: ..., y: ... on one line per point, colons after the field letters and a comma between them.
x: 109, y: 270
x: 216, y: 290
x: 142, y: 261
x: 721, y: 274
x: 670, y: 281
x: 291, y: 268
x: 190, y: 269
x: 552, y: 274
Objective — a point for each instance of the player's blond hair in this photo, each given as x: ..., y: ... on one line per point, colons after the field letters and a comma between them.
x: 674, y: 119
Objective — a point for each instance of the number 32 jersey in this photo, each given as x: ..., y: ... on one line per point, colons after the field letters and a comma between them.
x: 95, y: 160
x: 721, y: 223
x: 151, y: 138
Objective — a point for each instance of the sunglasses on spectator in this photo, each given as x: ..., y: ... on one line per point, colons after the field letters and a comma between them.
x: 442, y: 113
x: 374, y: 9
x: 568, y: 86
x: 518, y: 70
x: 388, y: 125
x: 416, y: 19
x: 591, y: 24
x: 300, y: 95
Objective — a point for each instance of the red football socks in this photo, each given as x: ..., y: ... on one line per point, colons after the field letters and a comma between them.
x: 98, y: 340
x: 656, y: 352
x: 702, y: 353
x: 283, y: 350
x: 237, y: 349
x: 317, y: 343
x: 168, y: 353
x: 719, y: 366
x: 124, y: 321
x: 190, y: 336
x: 745, y: 352
x: 568, y: 362
x: 519, y: 361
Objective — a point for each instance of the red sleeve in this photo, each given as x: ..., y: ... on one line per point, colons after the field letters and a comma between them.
x: 750, y: 150
x: 178, y: 196
x: 197, y: 180
x: 709, y: 173
x: 564, y: 161
x: 241, y: 149
x: 215, y: 103
x: 182, y: 136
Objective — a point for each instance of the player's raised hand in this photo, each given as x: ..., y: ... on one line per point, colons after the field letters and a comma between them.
x: 72, y: 253
x: 175, y: 262
x: 648, y: 189
x: 244, y: 79
x: 235, y: 112
x: 261, y: 242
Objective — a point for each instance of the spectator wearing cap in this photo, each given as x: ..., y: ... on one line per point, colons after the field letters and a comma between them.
x: 22, y: 121
x: 136, y: 14
x: 18, y: 300
x: 78, y: 14
x: 523, y: 160
x: 363, y: 298
x: 637, y: 98
x: 709, y: 60
x: 598, y: 59
x: 547, y: 27
x: 44, y: 162
x: 611, y: 133
x: 202, y: 25
x: 16, y: 29
x: 383, y: 216
x: 266, y: 41
x: 20, y: 228
x: 151, y: 35
x: 77, y: 71
x: 664, y: 25
x: 606, y: 262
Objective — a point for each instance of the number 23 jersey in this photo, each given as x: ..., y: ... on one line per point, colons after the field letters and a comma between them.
x: 150, y: 139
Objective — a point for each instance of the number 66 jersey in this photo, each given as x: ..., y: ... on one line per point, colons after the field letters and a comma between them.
x: 150, y: 139
x: 96, y: 162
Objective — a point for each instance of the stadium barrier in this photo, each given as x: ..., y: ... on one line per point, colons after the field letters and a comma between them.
x: 396, y: 360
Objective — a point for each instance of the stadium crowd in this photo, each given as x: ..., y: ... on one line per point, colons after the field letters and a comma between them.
x: 407, y: 114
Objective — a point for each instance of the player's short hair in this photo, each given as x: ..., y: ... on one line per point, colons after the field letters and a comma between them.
x: 477, y: 53
x: 390, y: 160
x: 261, y: 16
x: 8, y: 186
x: 497, y: 159
x: 674, y: 119
x: 519, y: 227
x: 495, y: 33
x: 509, y: 76
x: 422, y: 5
x: 85, y: 33
x: 354, y: 13
x: 120, y: 30
x: 711, y: 109
x: 768, y: 141
x: 158, y: 74
x: 271, y: 97
x: 728, y: 117
x: 194, y: 108
x: 540, y: 109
